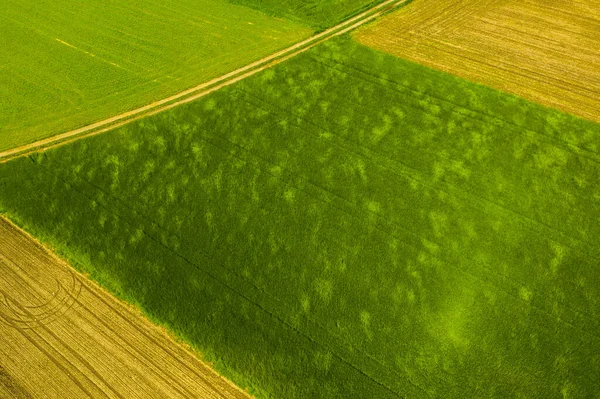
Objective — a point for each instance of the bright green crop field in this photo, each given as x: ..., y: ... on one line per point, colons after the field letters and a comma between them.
x: 68, y: 63
x: 345, y: 225
x: 319, y: 14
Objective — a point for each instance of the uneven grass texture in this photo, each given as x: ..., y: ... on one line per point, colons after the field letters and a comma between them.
x: 347, y: 224
x: 546, y: 52
x: 319, y: 14
x: 64, y: 337
x: 68, y: 63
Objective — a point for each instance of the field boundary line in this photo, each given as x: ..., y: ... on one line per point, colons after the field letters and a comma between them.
x: 204, y: 88
x: 131, y: 314
x: 149, y: 232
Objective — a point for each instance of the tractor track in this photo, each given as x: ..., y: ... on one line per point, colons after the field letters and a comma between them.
x: 204, y: 88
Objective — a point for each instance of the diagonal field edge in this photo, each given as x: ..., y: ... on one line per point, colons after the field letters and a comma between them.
x: 121, y: 310
x: 204, y: 88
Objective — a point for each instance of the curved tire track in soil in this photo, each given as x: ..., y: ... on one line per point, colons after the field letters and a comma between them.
x: 95, y: 346
x: 50, y: 310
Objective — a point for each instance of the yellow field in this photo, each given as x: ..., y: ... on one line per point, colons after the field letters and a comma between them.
x: 546, y: 52
x: 61, y: 336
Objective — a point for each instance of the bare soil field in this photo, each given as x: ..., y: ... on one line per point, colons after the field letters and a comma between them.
x: 546, y: 52
x: 63, y: 336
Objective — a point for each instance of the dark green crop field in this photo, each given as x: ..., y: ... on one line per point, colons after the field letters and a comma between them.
x: 319, y: 14
x: 68, y: 63
x: 346, y: 224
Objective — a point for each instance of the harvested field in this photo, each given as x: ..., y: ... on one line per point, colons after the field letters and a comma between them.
x: 62, y: 336
x: 544, y: 52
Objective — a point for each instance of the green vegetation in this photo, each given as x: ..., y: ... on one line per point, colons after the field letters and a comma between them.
x: 319, y: 14
x: 68, y: 63
x: 346, y: 224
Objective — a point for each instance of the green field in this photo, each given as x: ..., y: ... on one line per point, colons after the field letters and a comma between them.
x: 67, y: 63
x: 319, y: 14
x: 346, y: 224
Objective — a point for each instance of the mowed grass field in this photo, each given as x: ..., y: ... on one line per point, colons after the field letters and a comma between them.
x: 544, y: 52
x: 346, y: 224
x: 67, y: 63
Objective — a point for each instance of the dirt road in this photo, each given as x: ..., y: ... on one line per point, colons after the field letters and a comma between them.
x: 204, y: 88
x: 546, y: 52
x: 61, y: 336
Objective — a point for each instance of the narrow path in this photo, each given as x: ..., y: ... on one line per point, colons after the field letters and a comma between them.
x: 204, y: 88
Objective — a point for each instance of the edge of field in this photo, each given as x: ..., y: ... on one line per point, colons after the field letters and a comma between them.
x: 537, y: 95
x: 238, y: 380
x: 317, y: 28
x: 68, y: 263
x: 205, y: 88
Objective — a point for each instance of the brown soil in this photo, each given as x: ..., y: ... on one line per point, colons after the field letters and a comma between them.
x: 61, y: 336
x: 547, y: 52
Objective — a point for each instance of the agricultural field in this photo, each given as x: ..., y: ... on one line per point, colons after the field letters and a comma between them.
x: 209, y: 86
x: 546, y: 52
x: 319, y: 14
x: 68, y: 63
x: 64, y: 337
x: 345, y: 224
